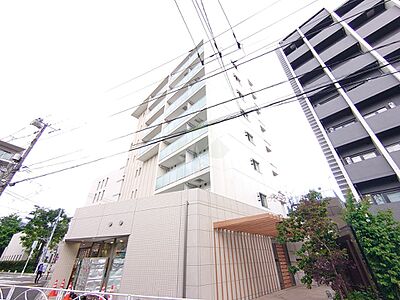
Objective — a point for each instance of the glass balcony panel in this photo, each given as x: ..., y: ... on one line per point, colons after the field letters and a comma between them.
x: 179, y: 143
x: 186, y: 95
x: 145, y: 148
x: 174, y: 124
x: 191, y: 73
x: 197, y: 164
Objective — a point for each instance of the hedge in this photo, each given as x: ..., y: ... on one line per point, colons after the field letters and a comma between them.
x: 12, y: 266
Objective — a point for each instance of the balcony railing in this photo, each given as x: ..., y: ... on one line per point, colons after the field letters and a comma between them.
x: 186, y: 64
x: 154, y: 111
x: 174, y: 124
x: 182, y: 141
x: 199, y: 163
x: 185, y: 96
x: 188, y: 75
x: 5, y: 155
x: 146, y: 148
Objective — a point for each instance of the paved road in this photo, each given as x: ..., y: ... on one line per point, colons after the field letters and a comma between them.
x: 26, y: 280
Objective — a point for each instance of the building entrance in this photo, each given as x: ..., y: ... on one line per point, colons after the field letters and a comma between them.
x: 99, y: 265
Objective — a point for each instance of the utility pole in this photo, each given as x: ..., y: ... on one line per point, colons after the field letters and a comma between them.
x: 12, y: 169
x: 44, y: 252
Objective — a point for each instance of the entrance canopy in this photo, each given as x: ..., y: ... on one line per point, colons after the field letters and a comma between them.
x: 263, y: 224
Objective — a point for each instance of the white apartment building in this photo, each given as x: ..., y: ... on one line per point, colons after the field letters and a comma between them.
x: 14, y: 250
x: 106, y: 188
x: 221, y: 158
x: 194, y: 218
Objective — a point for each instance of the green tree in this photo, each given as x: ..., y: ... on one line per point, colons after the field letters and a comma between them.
x: 379, y: 237
x: 320, y: 257
x: 9, y: 225
x: 40, y: 225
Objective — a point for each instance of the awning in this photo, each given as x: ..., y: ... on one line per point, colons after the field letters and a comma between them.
x: 263, y: 224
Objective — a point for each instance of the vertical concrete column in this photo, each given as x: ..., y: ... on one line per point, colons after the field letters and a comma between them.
x: 65, y: 263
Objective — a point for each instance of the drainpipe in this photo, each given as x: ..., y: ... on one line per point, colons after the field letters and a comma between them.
x: 185, y: 238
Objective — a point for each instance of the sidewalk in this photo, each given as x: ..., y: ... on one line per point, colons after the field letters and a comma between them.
x: 299, y: 293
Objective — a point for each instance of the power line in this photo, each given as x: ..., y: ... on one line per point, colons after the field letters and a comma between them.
x: 210, y: 107
x: 188, y: 30
x: 278, y: 83
x: 229, y: 23
x: 235, y: 66
x: 209, y: 124
x: 315, y: 20
x: 185, y: 53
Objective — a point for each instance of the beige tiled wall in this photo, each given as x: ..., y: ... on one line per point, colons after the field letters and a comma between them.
x: 156, y: 228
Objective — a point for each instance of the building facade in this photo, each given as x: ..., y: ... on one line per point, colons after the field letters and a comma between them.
x: 14, y: 250
x: 194, y: 218
x: 343, y: 66
x: 106, y: 188
x: 8, y: 152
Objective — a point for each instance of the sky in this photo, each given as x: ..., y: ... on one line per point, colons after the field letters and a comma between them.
x: 73, y: 63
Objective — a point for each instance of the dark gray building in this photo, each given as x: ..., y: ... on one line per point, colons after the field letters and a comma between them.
x: 343, y: 66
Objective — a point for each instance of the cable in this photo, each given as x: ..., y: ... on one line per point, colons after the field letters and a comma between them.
x: 237, y: 98
x: 210, y: 107
x: 215, y: 122
x: 229, y: 23
x: 235, y: 66
x: 12, y: 134
x: 187, y: 27
x: 185, y: 53
x: 273, y: 85
x: 55, y: 157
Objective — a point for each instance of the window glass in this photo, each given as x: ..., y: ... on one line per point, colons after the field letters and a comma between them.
x: 394, y: 197
x: 393, y: 148
x: 263, y: 199
x: 356, y: 159
x: 369, y: 155
x: 378, y: 199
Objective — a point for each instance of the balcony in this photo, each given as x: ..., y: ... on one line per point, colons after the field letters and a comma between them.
x: 184, y: 97
x: 182, y: 68
x: 200, y: 163
x: 385, y: 121
x: 153, y: 129
x: 372, y: 88
x: 369, y: 169
x: 155, y: 113
x: 348, y: 134
x: 182, y: 142
x: 172, y: 126
x: 331, y: 107
x: 149, y: 151
x: 185, y: 78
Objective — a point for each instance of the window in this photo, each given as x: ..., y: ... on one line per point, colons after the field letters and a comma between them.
x: 94, y: 198
x: 102, y: 195
x: 393, y: 147
x: 249, y: 137
x: 255, y: 164
x: 360, y: 157
x: 106, y: 182
x: 268, y: 149
x: 98, y: 185
x: 386, y: 197
x: 239, y: 93
x: 140, y: 169
x: 263, y: 199
x: 262, y: 129
x: 254, y: 96
x: 135, y: 193
x: 250, y: 83
x: 274, y: 173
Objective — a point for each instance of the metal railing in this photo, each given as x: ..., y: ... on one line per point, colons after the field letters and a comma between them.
x: 15, y: 292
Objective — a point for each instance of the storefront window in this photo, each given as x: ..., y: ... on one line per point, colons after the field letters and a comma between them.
x: 100, y: 264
